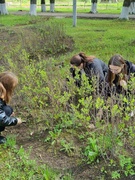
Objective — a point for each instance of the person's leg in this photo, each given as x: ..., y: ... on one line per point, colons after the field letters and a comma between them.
x: 2, y: 138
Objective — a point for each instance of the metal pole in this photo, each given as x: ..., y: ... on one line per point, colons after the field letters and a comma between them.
x: 74, y: 13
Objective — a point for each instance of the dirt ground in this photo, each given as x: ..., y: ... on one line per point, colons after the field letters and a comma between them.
x: 79, y: 15
x: 43, y: 154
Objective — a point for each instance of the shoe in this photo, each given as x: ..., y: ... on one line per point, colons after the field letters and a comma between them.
x: 2, y: 139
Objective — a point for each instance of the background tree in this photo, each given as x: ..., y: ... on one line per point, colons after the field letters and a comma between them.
x: 132, y: 7
x: 125, y: 9
x: 3, y: 9
x: 43, y: 6
x: 33, y: 5
x: 52, y: 5
x: 93, y: 6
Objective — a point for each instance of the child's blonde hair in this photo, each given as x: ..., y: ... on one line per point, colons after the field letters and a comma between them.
x: 8, y: 81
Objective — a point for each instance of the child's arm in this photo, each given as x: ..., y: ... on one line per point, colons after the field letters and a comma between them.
x: 8, y: 120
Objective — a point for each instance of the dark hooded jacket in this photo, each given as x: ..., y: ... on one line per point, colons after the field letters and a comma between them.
x: 96, y: 68
x: 130, y: 67
x: 6, y: 120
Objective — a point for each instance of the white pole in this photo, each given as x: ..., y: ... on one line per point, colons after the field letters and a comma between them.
x: 74, y: 13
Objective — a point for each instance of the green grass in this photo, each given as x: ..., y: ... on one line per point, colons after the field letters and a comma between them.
x: 103, y: 38
x: 16, y: 163
x: 105, y: 8
x: 16, y: 20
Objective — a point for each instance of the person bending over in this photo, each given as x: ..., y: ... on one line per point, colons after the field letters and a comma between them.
x: 90, y: 65
x: 119, y: 71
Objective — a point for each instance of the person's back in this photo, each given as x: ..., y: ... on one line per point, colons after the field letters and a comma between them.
x: 130, y: 67
x: 98, y: 68
x: 90, y: 65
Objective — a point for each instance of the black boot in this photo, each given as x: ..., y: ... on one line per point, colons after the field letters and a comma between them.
x: 2, y: 139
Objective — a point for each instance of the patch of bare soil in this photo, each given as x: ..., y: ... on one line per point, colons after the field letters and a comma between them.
x: 41, y: 151
x: 37, y: 40
x: 43, y: 154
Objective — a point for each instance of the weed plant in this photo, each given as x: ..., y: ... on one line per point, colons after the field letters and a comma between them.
x: 16, y: 164
x: 79, y: 121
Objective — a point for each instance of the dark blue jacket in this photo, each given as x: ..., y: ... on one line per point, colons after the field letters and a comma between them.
x: 97, y: 68
x: 6, y: 120
x: 130, y: 67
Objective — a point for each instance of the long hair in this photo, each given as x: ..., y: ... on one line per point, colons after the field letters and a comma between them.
x: 8, y: 81
x: 117, y: 60
x: 81, y: 58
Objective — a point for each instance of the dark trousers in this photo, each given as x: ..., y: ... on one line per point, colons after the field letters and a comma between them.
x: 2, y: 128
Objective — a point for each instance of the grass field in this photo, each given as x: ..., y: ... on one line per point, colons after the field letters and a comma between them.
x: 105, y: 7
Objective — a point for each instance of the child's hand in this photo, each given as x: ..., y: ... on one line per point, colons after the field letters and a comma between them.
x: 13, y: 114
x: 19, y: 121
x: 123, y: 84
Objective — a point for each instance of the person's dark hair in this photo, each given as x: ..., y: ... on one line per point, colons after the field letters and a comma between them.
x: 117, y: 60
x: 8, y: 82
x: 76, y: 60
